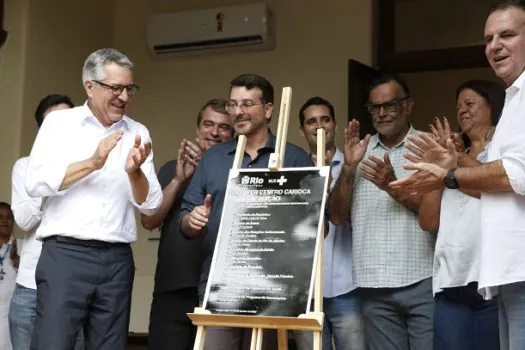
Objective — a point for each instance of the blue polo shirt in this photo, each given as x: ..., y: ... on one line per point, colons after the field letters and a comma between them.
x: 211, y: 177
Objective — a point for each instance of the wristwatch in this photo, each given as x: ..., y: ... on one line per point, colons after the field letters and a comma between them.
x: 450, y: 180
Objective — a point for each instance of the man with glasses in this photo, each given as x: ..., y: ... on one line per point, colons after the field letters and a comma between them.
x: 94, y: 165
x: 250, y: 105
x: 391, y: 256
x: 179, y: 259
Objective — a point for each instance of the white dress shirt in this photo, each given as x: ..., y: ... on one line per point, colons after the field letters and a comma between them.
x: 28, y: 213
x: 337, y: 257
x: 503, y: 214
x: 101, y: 205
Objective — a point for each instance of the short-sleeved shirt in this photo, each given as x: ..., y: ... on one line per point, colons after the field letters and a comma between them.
x: 389, y: 248
x: 178, y: 258
x: 211, y: 177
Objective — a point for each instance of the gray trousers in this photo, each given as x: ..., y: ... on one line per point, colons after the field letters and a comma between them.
x: 83, y: 287
x: 399, y: 318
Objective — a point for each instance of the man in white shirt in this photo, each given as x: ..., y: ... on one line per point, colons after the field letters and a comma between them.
x: 343, y: 324
x: 95, y: 166
x: 501, y: 180
x: 27, y: 213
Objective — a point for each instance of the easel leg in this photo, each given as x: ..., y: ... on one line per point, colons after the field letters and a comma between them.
x: 199, y: 338
x: 257, y: 337
x: 318, y: 341
x: 282, y: 335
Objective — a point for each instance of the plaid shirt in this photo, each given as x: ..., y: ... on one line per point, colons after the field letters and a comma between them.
x: 389, y: 248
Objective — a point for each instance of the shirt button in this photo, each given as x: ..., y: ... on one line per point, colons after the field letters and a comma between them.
x: 249, y: 165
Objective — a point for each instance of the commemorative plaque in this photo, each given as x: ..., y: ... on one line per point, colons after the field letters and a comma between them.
x: 267, y: 242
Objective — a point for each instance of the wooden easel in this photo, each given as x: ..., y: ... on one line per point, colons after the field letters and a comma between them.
x: 311, y: 321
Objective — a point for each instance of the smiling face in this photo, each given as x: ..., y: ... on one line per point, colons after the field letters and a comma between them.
x: 505, y: 43
x: 214, y: 127
x: 391, y: 118
x: 105, y: 105
x: 250, y: 115
x: 473, y: 113
x: 317, y: 117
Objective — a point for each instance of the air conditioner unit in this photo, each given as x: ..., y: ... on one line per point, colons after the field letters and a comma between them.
x: 233, y: 26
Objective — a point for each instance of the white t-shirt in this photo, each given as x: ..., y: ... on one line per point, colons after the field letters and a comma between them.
x: 456, y: 257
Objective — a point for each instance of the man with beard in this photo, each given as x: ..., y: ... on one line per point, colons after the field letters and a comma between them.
x: 250, y: 105
x: 391, y: 256
x: 179, y: 259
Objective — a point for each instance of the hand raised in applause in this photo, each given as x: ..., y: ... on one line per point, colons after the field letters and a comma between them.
x: 199, y: 215
x: 137, y: 155
x: 377, y: 171
x: 185, y: 168
x: 354, y: 148
x: 104, y: 148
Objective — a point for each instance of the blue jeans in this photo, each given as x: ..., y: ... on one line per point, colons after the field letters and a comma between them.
x: 512, y: 316
x: 22, y: 314
x: 343, y: 325
x: 464, y: 321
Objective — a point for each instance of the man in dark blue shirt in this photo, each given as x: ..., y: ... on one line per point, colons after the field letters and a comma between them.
x: 250, y: 105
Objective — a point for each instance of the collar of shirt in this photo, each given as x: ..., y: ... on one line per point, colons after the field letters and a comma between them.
x: 89, y: 117
x: 338, y: 157
x: 270, y: 143
x: 375, y: 141
x: 517, y: 86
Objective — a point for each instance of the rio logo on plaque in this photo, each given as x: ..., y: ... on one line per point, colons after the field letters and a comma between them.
x: 267, y: 243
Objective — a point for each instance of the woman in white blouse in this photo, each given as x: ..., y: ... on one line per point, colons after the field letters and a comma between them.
x: 462, y: 319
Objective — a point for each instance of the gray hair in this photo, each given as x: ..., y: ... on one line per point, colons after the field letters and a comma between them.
x: 94, y: 64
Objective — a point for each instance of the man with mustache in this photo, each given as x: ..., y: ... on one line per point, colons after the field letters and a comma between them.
x: 251, y: 106
x: 391, y: 256
x: 179, y: 259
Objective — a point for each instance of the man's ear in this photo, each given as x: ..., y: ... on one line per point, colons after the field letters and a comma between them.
x: 409, y: 105
x: 268, y: 110
x: 88, y: 86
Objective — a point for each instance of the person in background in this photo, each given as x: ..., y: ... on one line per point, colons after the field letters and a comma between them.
x: 179, y: 259
x: 9, y: 260
x: 462, y: 319
x: 28, y: 213
x: 343, y: 323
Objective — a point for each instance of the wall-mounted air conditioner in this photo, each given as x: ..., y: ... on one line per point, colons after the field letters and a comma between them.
x: 248, y: 25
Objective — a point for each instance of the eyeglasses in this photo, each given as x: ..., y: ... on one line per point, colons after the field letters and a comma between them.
x: 390, y: 106
x: 232, y: 106
x: 117, y: 89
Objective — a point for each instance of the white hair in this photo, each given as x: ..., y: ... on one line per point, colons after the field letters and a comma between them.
x: 94, y: 65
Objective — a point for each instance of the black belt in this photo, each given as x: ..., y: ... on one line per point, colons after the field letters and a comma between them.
x: 93, y: 243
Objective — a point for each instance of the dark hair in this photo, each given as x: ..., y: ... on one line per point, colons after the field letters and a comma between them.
x: 217, y: 104
x: 492, y: 92
x: 6, y: 205
x: 505, y: 4
x: 48, y: 102
x: 250, y: 81
x: 316, y: 101
x: 386, y: 78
